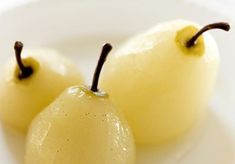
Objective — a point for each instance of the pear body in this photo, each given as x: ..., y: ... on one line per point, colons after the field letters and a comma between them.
x: 21, y: 100
x: 162, y: 88
x: 80, y: 127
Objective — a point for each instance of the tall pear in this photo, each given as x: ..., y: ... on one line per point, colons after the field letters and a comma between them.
x: 81, y: 127
x: 31, y: 83
x: 163, y: 79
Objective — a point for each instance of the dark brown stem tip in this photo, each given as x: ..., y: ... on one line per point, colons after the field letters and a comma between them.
x: 224, y: 26
x: 107, y: 47
x: 219, y: 25
x: 18, y: 45
x: 104, y: 53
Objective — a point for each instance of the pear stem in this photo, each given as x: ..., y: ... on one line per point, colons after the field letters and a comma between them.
x: 104, y: 53
x: 220, y: 25
x: 24, y: 71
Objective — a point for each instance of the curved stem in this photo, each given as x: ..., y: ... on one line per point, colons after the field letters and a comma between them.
x: 104, y: 53
x: 24, y: 71
x: 220, y: 25
x: 18, y: 49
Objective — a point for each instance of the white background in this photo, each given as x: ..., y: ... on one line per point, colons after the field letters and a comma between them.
x: 226, y: 7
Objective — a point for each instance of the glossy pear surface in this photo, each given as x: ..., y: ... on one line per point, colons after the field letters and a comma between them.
x: 161, y: 86
x: 22, y: 99
x: 80, y: 126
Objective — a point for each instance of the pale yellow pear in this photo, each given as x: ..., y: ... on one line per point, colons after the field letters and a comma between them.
x: 22, y: 98
x: 161, y: 85
x: 80, y: 127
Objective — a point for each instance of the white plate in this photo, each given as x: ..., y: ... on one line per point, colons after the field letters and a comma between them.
x: 78, y: 29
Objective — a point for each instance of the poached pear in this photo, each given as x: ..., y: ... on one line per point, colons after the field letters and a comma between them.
x: 81, y: 126
x: 163, y: 79
x: 31, y: 83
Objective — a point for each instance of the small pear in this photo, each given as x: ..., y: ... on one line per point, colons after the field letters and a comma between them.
x: 162, y: 79
x: 31, y: 83
x: 81, y: 127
